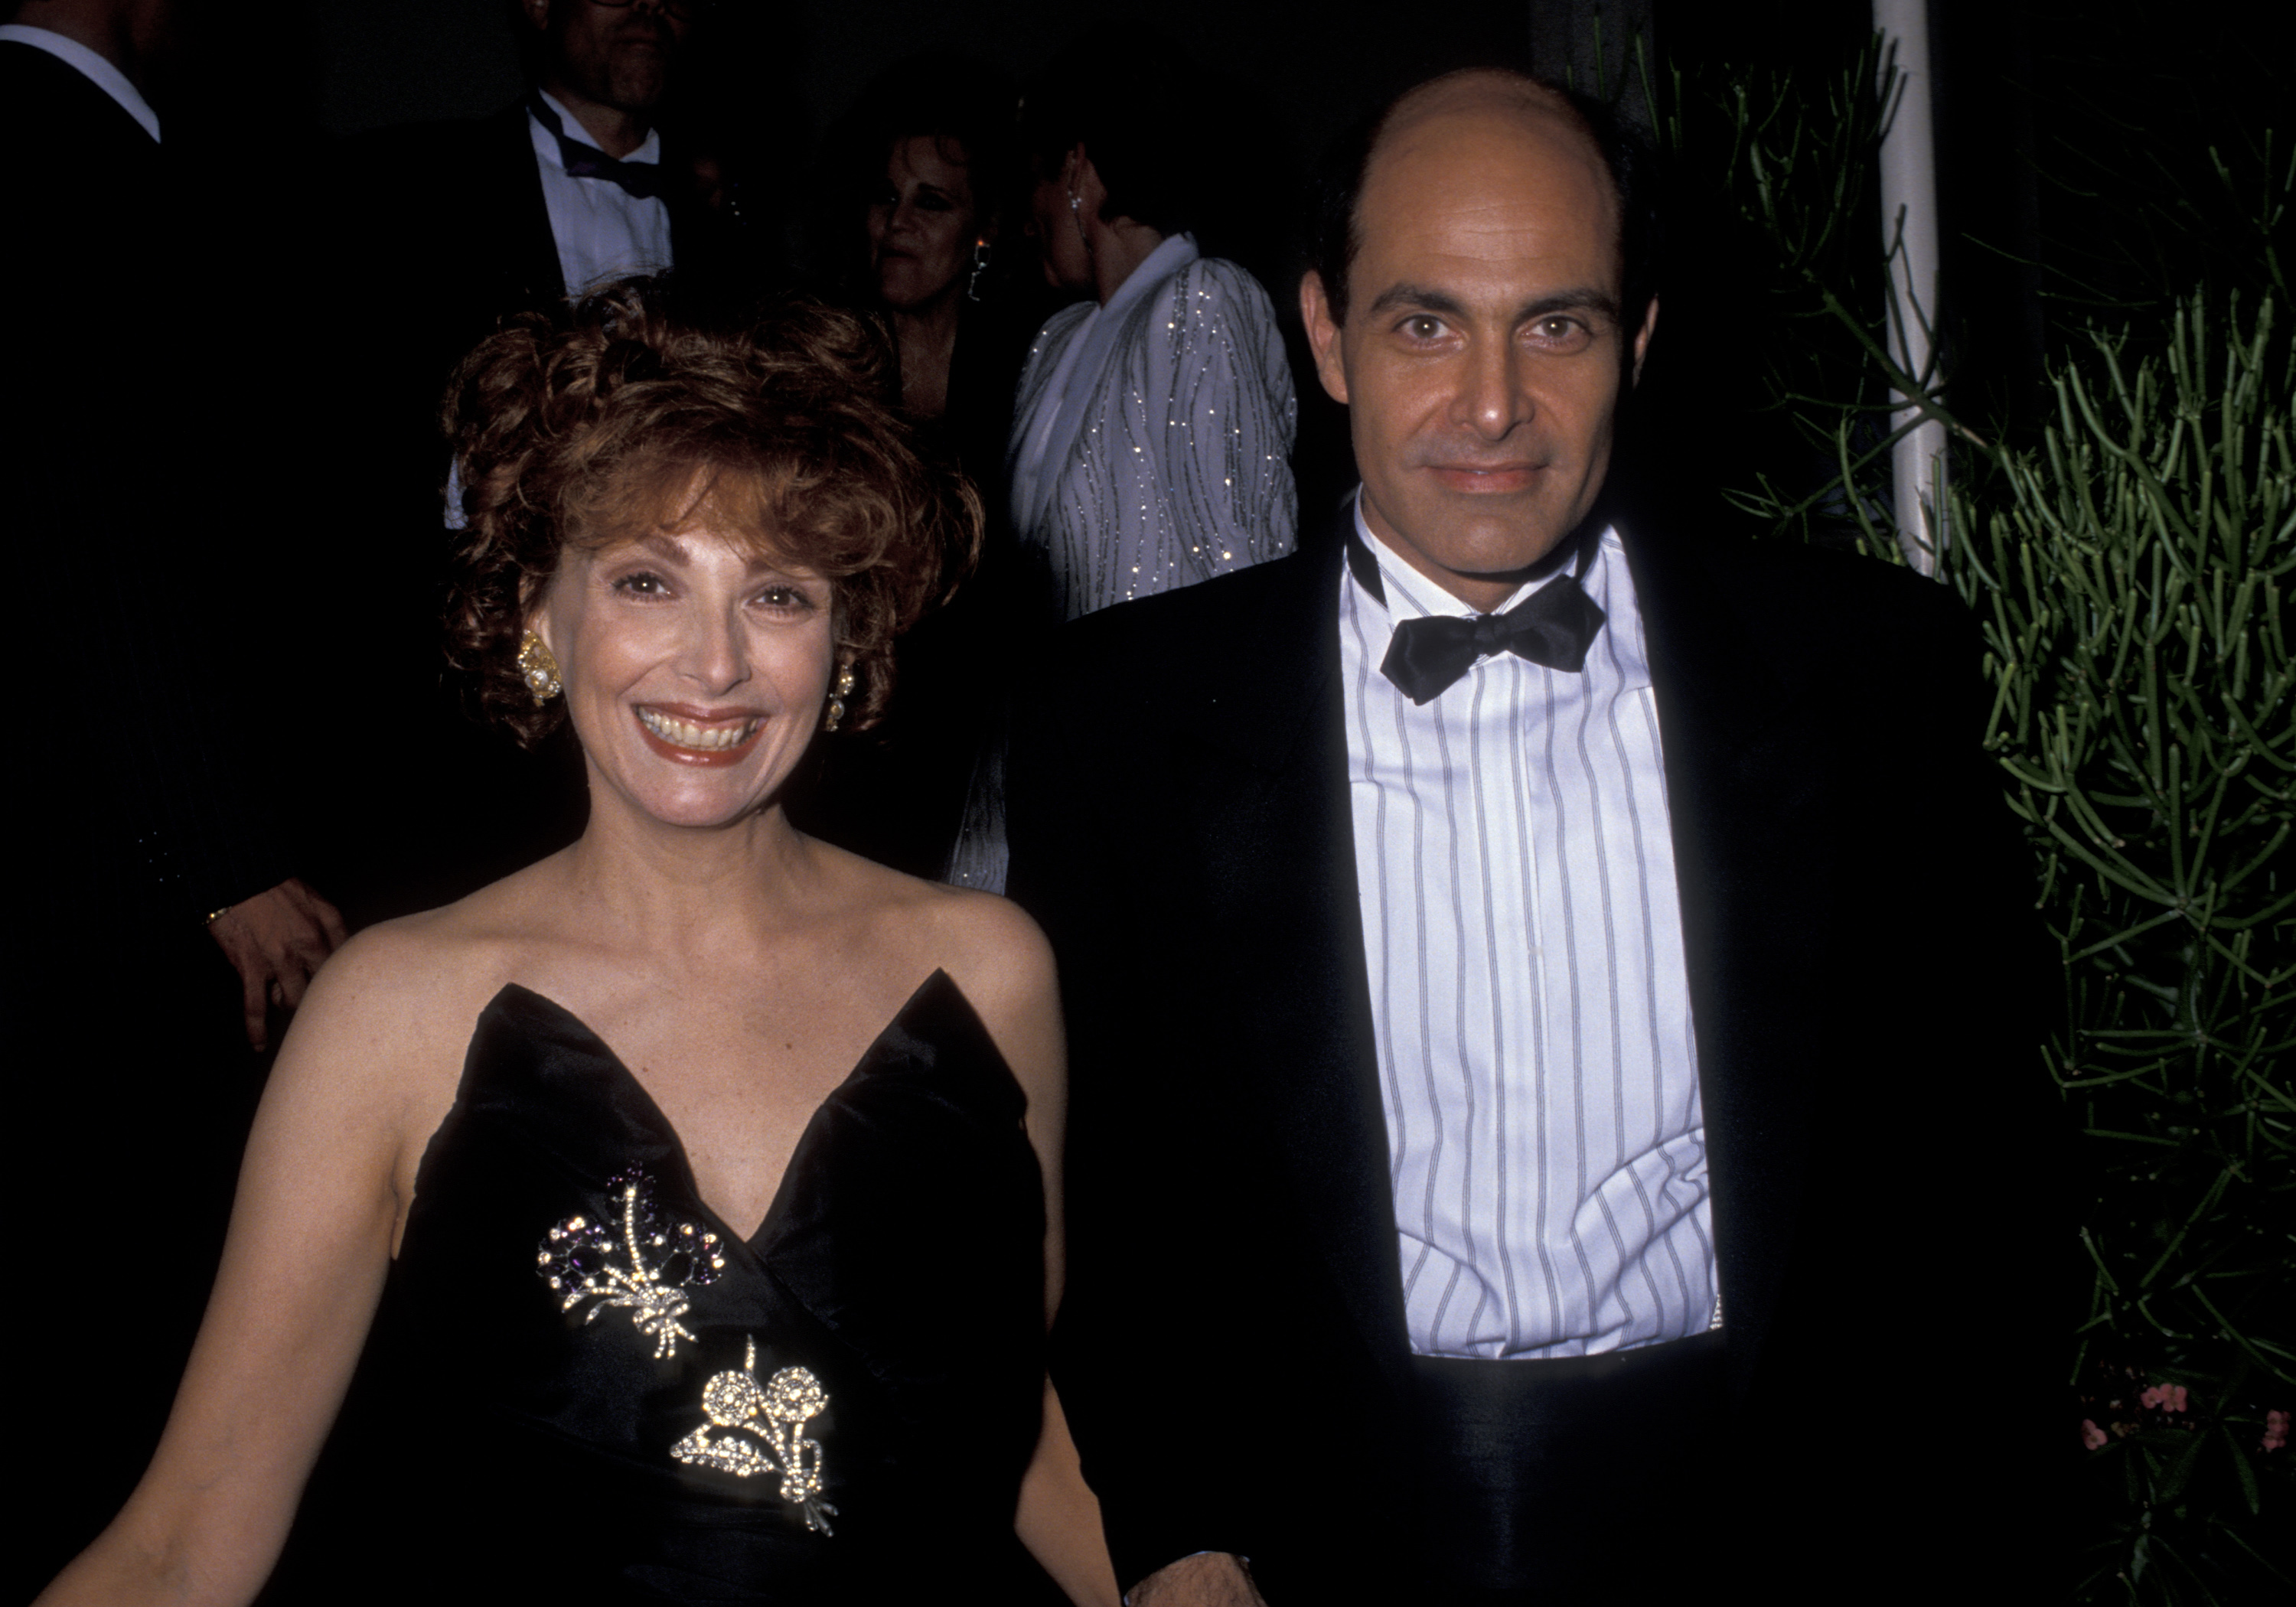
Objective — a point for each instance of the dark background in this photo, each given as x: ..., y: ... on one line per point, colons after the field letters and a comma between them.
x: 2059, y: 121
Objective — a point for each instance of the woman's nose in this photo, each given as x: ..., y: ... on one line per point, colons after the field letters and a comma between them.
x: 718, y: 657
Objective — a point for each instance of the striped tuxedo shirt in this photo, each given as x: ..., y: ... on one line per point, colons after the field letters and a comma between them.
x: 1529, y: 1000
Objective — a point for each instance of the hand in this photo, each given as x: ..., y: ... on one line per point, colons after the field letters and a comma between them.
x: 276, y: 941
x: 1211, y: 1579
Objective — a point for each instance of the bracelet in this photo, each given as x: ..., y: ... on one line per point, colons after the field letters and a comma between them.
x: 220, y: 914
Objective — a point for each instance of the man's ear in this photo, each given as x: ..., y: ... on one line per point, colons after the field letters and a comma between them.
x: 1642, y: 340
x: 538, y: 12
x: 1323, y: 336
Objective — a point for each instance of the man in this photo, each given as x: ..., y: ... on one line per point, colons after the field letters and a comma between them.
x: 95, y: 224
x: 1542, y: 986
x: 445, y: 231
x: 567, y: 188
x: 147, y: 820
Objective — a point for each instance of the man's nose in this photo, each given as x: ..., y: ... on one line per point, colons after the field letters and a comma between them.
x: 1492, y: 398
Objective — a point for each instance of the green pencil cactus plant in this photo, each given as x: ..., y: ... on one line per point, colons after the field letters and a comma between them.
x: 2132, y: 571
x: 2129, y: 559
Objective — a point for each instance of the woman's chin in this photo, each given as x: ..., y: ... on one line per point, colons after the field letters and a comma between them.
x: 910, y: 292
x: 700, y: 802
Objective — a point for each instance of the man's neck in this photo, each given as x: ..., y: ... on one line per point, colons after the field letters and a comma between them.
x: 614, y: 131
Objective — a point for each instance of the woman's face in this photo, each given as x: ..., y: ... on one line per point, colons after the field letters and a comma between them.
x: 695, y: 674
x: 923, y: 224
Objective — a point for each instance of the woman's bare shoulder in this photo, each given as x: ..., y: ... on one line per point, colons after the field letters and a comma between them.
x: 399, y: 1000
x: 989, y: 946
x: 958, y: 929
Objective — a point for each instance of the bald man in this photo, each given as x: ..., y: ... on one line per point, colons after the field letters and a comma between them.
x: 1537, y: 1129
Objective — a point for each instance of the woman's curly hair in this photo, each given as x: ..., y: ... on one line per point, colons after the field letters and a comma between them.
x: 602, y: 419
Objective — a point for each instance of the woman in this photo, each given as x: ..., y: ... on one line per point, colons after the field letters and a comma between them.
x: 928, y: 144
x: 1150, y: 445
x: 926, y: 149
x: 930, y: 240
x: 715, y: 1264
x: 1151, y: 438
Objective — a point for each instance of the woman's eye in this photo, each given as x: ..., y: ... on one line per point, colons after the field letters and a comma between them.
x: 786, y: 598
x: 644, y: 584
x: 933, y: 201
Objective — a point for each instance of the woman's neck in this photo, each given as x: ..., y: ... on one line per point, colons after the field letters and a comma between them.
x: 927, y: 337
x: 1118, y: 247
x: 632, y: 879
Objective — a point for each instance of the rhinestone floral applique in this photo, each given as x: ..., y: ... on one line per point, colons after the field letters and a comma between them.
x: 774, y: 1413
x: 643, y: 1264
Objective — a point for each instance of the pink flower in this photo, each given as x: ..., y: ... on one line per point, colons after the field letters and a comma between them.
x: 2168, y: 1398
x: 2092, y: 1436
x: 2275, y: 1430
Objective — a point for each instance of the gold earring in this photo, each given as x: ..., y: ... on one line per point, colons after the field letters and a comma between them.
x: 844, y: 690
x: 538, y: 669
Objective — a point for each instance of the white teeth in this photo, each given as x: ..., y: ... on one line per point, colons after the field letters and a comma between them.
x: 702, y: 739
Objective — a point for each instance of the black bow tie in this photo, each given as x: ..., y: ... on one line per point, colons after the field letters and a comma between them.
x: 1555, y: 626
x: 643, y: 180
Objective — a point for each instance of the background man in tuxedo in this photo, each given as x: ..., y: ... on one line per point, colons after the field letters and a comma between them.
x: 145, y: 815
x: 445, y: 229
x: 95, y: 225
x: 1538, y: 1131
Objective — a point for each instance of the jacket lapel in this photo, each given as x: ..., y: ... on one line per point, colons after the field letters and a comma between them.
x: 1271, y: 783
x: 528, y: 253
x: 1756, y: 818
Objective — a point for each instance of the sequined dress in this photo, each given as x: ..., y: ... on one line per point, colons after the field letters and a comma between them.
x: 581, y: 1385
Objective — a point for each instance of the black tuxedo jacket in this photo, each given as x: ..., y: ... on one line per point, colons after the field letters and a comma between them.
x: 104, y: 475
x: 439, y: 232
x: 1232, y: 1352
x: 442, y: 232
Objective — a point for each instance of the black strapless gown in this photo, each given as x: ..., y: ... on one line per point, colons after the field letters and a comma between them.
x: 581, y: 1385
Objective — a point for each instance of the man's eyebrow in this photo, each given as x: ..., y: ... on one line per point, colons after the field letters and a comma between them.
x: 1421, y: 298
x: 1582, y: 299
x: 1418, y: 296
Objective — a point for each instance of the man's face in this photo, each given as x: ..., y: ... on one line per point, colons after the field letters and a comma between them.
x: 616, y: 55
x: 1481, y: 362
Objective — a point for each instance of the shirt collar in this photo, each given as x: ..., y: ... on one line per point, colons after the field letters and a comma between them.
x: 94, y: 68
x: 648, y: 150
x: 1159, y: 264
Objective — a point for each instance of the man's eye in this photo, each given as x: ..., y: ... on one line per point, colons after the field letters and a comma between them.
x: 1560, y: 332
x: 1422, y: 326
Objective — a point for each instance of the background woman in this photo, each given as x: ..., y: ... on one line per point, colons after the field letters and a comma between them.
x: 1151, y: 443
x: 1153, y: 432
x: 926, y: 169
x: 659, y: 1286
x: 927, y: 153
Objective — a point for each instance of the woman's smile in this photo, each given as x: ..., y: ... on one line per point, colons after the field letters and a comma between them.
x: 695, y: 737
